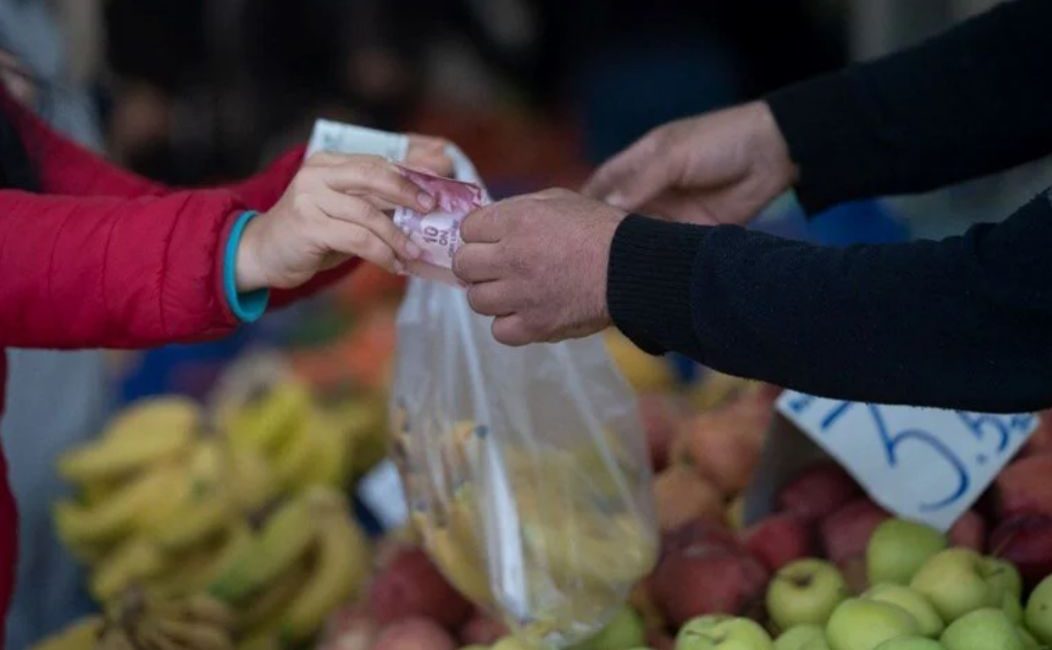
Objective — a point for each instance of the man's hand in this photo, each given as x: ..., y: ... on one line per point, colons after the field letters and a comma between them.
x: 722, y: 167
x: 538, y: 264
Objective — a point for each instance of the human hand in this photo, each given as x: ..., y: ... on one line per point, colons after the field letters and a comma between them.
x: 538, y: 264
x: 721, y: 167
x: 333, y: 209
x: 429, y: 153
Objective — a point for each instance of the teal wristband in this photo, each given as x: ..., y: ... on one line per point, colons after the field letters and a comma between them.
x: 248, y: 306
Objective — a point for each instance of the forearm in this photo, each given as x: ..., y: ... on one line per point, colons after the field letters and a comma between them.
x: 962, y: 323
x: 970, y: 102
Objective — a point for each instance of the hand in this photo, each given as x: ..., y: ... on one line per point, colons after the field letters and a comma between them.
x: 538, y: 264
x: 722, y: 167
x: 333, y: 209
x: 429, y: 153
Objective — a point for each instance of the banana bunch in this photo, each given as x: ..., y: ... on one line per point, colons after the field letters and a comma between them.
x: 305, y: 559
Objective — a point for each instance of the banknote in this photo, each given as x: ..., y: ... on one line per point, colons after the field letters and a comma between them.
x: 338, y: 137
x: 437, y: 233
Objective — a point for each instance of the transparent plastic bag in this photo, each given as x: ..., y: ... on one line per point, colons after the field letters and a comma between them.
x: 525, y: 468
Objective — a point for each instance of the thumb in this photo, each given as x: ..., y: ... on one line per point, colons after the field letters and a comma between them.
x: 633, y: 177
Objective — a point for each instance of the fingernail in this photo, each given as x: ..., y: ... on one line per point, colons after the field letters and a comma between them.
x: 615, y: 199
x: 412, y: 250
x: 399, y: 267
x: 425, y: 200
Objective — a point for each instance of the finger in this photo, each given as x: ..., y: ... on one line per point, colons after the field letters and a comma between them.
x: 353, y: 239
x: 436, y: 162
x: 491, y: 298
x: 512, y: 330
x: 483, y: 225
x: 375, y: 176
x: 477, y: 263
x: 632, y: 177
x: 357, y: 211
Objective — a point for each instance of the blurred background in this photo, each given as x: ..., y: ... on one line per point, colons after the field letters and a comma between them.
x: 536, y: 92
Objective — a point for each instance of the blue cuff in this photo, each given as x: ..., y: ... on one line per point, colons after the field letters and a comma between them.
x: 250, y: 305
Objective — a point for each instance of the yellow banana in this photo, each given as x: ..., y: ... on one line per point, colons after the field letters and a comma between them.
x: 341, y: 563
x: 261, y: 614
x: 196, y: 572
x: 134, y: 560
x: 248, y: 478
x: 115, y: 638
x: 263, y: 641
x: 285, y: 537
x: 141, y: 436
x: 365, y: 420
x: 193, y: 521
x: 206, y: 609
x: 81, y: 635
x: 295, y: 458
x: 147, y: 635
x: 268, y: 417
x: 194, y: 635
x: 118, y: 515
x: 331, y: 447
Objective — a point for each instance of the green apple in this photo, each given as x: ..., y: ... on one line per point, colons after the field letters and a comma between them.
x: 898, y: 548
x: 1003, y: 577
x: 1039, y: 612
x: 928, y: 620
x: 817, y: 643
x: 858, y: 624
x: 805, y: 591
x: 719, y: 632
x: 795, y: 638
x: 911, y: 643
x: 1013, y: 608
x: 625, y: 630
x: 956, y: 581
x: 1029, y: 642
x: 512, y: 643
x: 982, y: 629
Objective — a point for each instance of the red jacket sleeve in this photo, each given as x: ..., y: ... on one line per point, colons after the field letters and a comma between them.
x: 113, y: 272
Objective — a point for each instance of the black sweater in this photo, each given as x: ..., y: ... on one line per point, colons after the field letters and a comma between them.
x: 961, y: 323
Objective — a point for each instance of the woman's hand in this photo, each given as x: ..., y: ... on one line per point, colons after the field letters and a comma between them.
x: 429, y: 153
x: 332, y: 210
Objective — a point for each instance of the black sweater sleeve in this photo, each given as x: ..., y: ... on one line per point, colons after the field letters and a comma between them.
x: 962, y: 323
x: 975, y: 100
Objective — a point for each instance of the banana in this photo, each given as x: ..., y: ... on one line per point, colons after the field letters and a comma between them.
x: 341, y: 563
x: 285, y: 537
x: 141, y: 436
x: 192, y: 522
x: 262, y: 613
x: 268, y: 416
x: 196, y: 572
x: 136, y: 559
x: 365, y: 421
x: 295, y: 458
x: 147, y: 635
x: 194, y: 635
x: 118, y: 515
x: 262, y: 641
x: 248, y: 477
x: 331, y: 452
x: 81, y: 635
x: 115, y: 638
x: 206, y: 609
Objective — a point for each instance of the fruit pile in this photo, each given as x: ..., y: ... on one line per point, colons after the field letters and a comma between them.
x: 243, y: 501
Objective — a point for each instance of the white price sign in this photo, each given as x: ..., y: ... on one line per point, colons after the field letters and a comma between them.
x: 922, y: 464
x: 338, y: 137
x: 381, y: 491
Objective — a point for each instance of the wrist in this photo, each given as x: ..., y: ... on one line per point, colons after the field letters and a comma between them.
x: 247, y: 304
x: 248, y: 272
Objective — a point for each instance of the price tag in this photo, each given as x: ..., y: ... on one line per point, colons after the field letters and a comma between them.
x: 350, y: 139
x: 381, y: 491
x: 926, y: 465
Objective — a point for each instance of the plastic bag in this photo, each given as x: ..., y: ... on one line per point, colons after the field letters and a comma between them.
x: 525, y: 468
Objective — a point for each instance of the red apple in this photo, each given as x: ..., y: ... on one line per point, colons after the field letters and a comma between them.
x: 1024, y: 486
x: 699, y: 531
x: 968, y: 531
x: 707, y: 578
x: 846, y: 532
x: 680, y: 495
x: 818, y: 491
x: 660, y: 640
x: 415, y: 633
x: 721, y: 449
x: 410, y: 585
x: 482, y: 629
x: 661, y: 414
x: 349, y: 628
x: 778, y: 539
x: 1026, y: 542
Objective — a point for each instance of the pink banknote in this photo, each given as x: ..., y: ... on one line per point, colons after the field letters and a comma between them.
x: 438, y: 232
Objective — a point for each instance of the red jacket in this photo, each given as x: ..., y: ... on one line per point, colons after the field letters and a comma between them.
x: 105, y: 258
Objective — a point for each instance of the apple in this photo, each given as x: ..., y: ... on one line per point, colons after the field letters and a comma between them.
x: 1004, y: 578
x: 707, y: 577
x: 412, y: 634
x: 1029, y: 642
x: 699, y: 530
x: 661, y: 414
x: 482, y: 629
x: 968, y: 531
x: 858, y: 624
x: 846, y: 532
x: 956, y: 582
x: 1026, y: 542
x: 911, y: 643
x: 817, y: 643
x: 1023, y: 487
x: 982, y: 629
x: 350, y: 627
x: 410, y: 585
x: 660, y: 640
x: 854, y: 571
x: 718, y: 632
x: 805, y: 592
x: 1039, y: 611
x: 718, y: 446
x: 796, y: 637
x: 680, y: 496
x: 898, y: 548
x: 507, y: 643
x: 1012, y: 608
x: 625, y: 630
x: 928, y: 620
x: 778, y: 539
x: 817, y: 492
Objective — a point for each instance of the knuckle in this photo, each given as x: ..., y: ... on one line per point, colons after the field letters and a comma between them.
x: 302, y: 203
